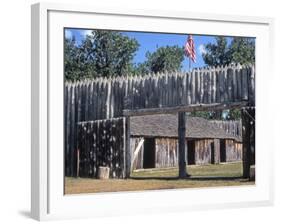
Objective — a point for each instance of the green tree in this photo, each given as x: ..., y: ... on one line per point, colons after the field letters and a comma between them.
x: 242, y: 50
x: 113, y: 52
x: 103, y: 53
x: 71, y: 59
x: 167, y: 58
x: 203, y: 114
x: 233, y: 114
x: 217, y: 53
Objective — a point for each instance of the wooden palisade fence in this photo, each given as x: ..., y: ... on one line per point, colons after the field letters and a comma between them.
x: 106, y: 98
x: 233, y: 127
x: 101, y: 143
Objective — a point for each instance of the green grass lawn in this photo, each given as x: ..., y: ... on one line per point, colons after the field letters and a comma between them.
x: 155, y: 179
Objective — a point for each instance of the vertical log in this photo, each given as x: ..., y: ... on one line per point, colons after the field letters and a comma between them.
x: 188, y: 86
x: 180, y: 90
x: 201, y: 74
x: 209, y: 87
x: 221, y: 85
x: 246, y: 143
x: 229, y: 84
x: 251, y: 75
x: 235, y: 87
x: 65, y: 125
x: 174, y: 91
x: 72, y: 138
x: 217, y: 151
x: 217, y: 75
x: 205, y: 86
x: 108, y: 104
x: 94, y: 145
x: 68, y: 132
x: 128, y: 148
x: 213, y: 85
x: 244, y: 84
x: 193, y: 90
x: 225, y: 83
x: 95, y: 103
x: 90, y: 109
x: 197, y: 86
x: 91, y: 145
x: 87, y: 96
x: 239, y: 83
x: 182, y: 144
x: 184, y: 77
x: 165, y: 89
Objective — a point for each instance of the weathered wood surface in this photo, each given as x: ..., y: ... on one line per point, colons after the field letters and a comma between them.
x: 207, y: 86
x: 105, y: 98
x: 233, y: 151
x: 101, y: 144
x: 128, y: 148
x: 136, y: 151
x: 137, y: 163
x: 216, y: 151
x: 166, y: 153
x: 185, y: 108
x: 248, y: 136
x: 182, y: 144
x: 233, y: 127
x: 103, y: 172
x: 203, y: 152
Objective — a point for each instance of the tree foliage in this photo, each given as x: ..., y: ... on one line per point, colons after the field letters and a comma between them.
x: 167, y: 58
x: 240, y: 50
x: 71, y: 60
x: 233, y: 114
x: 218, y: 53
x: 110, y: 53
x: 104, y: 53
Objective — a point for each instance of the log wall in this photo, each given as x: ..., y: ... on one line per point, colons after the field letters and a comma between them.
x: 105, y: 98
x: 233, y: 151
x: 166, y: 153
x: 102, y: 143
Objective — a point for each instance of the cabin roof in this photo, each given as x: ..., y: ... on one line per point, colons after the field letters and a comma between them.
x: 167, y: 126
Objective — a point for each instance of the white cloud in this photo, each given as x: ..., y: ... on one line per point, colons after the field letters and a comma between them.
x: 202, y: 49
x: 68, y: 34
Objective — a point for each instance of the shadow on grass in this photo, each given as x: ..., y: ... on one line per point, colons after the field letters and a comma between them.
x: 192, y: 178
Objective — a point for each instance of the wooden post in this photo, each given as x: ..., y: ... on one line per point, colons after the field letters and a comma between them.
x: 128, y: 148
x: 217, y: 151
x: 246, y: 143
x: 78, y: 162
x: 182, y: 144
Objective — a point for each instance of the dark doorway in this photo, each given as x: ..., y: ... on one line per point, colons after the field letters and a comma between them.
x: 191, y: 152
x: 212, y: 153
x: 222, y: 151
x: 149, y: 153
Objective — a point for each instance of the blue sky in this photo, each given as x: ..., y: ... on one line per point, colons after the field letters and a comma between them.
x: 150, y: 42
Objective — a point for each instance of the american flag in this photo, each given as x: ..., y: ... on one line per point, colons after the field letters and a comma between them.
x: 189, y: 48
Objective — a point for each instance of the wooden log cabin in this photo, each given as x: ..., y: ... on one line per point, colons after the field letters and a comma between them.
x: 154, y: 142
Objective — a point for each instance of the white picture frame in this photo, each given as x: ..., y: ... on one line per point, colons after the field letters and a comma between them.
x: 47, y: 198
